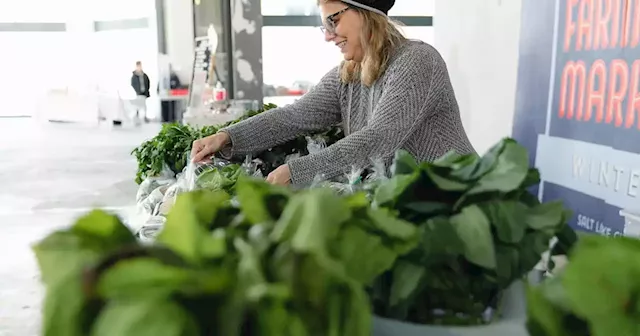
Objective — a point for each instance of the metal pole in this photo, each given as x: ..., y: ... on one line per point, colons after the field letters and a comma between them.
x: 227, y: 35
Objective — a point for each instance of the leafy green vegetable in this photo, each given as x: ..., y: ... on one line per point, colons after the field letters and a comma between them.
x: 597, y: 293
x: 480, y: 231
x: 171, y: 147
x: 149, y: 317
x: 278, y: 263
x: 219, y: 178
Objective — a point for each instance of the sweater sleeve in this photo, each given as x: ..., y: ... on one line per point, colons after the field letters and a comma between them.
x: 316, y: 110
x: 408, y: 98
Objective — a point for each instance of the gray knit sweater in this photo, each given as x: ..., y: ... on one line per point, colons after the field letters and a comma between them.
x: 411, y: 106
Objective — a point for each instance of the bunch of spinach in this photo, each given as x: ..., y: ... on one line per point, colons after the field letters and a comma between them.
x: 598, y: 293
x: 169, y: 148
x: 481, y: 230
x: 275, y: 263
x: 219, y: 178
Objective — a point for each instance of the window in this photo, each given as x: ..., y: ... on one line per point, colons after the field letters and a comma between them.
x: 110, y: 10
x: 291, y: 68
x: 413, y: 8
x: 34, y: 11
x: 309, y: 7
x: 30, y: 69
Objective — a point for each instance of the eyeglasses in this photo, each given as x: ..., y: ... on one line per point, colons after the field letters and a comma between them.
x: 330, y: 23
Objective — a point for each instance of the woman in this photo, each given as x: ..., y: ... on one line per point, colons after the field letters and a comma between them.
x: 389, y: 93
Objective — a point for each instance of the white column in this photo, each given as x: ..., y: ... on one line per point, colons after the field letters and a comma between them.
x: 479, y: 40
x: 178, y: 24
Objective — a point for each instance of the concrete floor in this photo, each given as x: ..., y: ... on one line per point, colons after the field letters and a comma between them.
x: 49, y: 175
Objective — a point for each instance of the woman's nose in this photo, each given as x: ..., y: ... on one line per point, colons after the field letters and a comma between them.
x: 328, y: 36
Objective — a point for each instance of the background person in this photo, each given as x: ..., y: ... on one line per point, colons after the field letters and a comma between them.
x: 389, y: 93
x: 168, y: 110
x: 140, y: 83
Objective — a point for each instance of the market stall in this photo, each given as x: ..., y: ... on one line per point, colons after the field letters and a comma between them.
x: 221, y: 252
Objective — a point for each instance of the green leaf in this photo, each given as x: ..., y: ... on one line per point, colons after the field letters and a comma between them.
x: 307, y: 223
x: 104, y: 226
x: 406, y: 281
x: 508, y: 218
x: 159, y: 317
x: 508, y: 264
x: 543, y: 317
x: 428, y: 208
x: 274, y: 319
x: 252, y: 195
x: 533, y: 178
x: 149, y: 278
x: 511, y: 169
x: 353, y: 243
x: 440, y: 238
x: 442, y: 181
x: 392, y: 226
x: 358, y: 319
x: 403, y: 163
x: 250, y: 266
x: 68, y: 251
x: 567, y: 238
x: 477, y: 167
x: 546, y: 216
x: 388, y: 193
x: 66, y: 308
x: 448, y: 159
x: 474, y: 230
x: 186, y: 230
x: 532, y: 246
x: 63, y: 253
x: 601, y: 282
x: 357, y: 201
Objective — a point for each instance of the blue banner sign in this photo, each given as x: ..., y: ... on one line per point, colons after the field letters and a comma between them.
x: 578, y: 106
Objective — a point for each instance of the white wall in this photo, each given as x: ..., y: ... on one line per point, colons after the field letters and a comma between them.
x: 178, y: 21
x: 479, y: 41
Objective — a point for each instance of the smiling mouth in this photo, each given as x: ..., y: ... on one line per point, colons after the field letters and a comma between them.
x: 341, y: 44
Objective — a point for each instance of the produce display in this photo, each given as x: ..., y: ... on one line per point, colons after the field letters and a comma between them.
x: 433, y: 243
x: 597, y: 293
x: 480, y: 229
x: 168, y: 152
x: 276, y: 264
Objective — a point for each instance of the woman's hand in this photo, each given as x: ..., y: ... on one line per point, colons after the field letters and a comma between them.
x: 202, y: 148
x: 280, y: 176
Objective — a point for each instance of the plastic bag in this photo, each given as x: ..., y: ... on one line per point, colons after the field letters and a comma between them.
x: 358, y: 179
x: 151, y: 229
x: 151, y: 202
x: 290, y: 157
x: 195, y: 174
x: 315, y: 144
x: 347, y: 185
x: 376, y: 172
x: 152, y: 183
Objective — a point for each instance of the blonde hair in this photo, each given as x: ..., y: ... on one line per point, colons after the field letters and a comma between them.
x: 380, y: 37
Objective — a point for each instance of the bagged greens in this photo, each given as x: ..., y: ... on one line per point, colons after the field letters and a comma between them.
x: 169, y: 150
